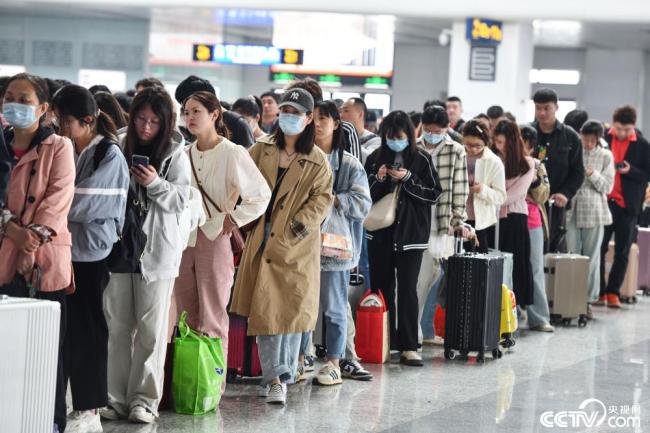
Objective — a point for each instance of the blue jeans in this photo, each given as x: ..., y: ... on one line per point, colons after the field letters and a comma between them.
x: 587, y: 242
x: 429, y: 311
x: 538, y: 312
x: 334, y: 302
x: 364, y: 262
x: 279, y: 357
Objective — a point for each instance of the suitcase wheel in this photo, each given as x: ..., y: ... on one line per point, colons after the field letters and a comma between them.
x: 321, y: 351
x: 582, y: 321
x: 480, y: 358
x: 508, y: 342
x: 646, y: 291
x: 450, y: 354
x: 566, y: 322
x: 496, y: 354
x: 231, y: 375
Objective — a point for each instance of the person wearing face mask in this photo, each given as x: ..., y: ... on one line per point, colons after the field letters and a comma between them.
x: 95, y: 219
x: 448, y: 214
x: 399, y: 166
x: 487, y: 184
x: 234, y: 193
x: 277, y: 284
x: 138, y: 296
x: 250, y: 109
x: 34, y: 237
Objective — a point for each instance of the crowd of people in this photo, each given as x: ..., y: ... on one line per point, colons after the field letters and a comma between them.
x: 122, y: 215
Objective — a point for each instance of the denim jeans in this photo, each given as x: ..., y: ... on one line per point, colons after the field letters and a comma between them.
x: 538, y: 312
x: 587, y: 242
x: 364, y: 262
x: 334, y: 303
x: 429, y: 280
x: 279, y: 356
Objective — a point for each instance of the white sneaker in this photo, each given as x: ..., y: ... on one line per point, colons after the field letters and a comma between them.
x: 111, y: 414
x: 141, y: 415
x: 277, y: 394
x: 263, y: 391
x: 300, y: 374
x: 87, y: 421
x: 329, y: 375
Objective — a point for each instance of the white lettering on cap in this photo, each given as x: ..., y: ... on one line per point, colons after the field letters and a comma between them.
x: 294, y: 96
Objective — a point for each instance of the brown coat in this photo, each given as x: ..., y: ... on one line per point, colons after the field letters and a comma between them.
x: 277, y: 287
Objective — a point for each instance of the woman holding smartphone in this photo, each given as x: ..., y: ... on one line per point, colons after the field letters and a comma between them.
x: 137, y: 303
x: 487, y: 180
x: 400, y: 165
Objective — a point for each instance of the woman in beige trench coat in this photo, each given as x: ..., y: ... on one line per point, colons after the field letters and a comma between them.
x: 278, y: 281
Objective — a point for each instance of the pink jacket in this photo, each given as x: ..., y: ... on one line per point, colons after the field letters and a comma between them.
x: 516, y: 191
x: 47, y: 203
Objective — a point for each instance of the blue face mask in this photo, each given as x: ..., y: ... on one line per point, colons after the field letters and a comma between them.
x: 19, y: 116
x: 291, y: 124
x: 433, y: 138
x: 397, y: 145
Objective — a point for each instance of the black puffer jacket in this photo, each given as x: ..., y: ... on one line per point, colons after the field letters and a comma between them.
x: 420, y: 190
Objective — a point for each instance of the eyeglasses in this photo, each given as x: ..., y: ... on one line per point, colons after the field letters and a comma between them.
x: 143, y: 121
x: 475, y: 146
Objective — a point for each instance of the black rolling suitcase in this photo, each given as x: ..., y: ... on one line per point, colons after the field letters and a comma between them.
x: 473, y: 318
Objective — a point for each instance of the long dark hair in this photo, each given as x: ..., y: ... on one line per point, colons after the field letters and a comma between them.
x: 211, y: 103
x: 305, y: 142
x: 396, y: 122
x: 161, y: 104
x: 78, y: 102
x: 109, y: 105
x: 515, y: 158
x: 474, y: 128
x: 328, y: 109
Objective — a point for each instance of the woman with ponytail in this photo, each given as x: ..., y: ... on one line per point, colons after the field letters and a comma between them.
x: 95, y: 218
x: 234, y: 193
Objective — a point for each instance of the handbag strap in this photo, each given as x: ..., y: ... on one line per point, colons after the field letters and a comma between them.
x: 204, y: 194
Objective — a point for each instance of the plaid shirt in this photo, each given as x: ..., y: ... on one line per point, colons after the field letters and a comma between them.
x: 451, y: 165
x: 589, y: 206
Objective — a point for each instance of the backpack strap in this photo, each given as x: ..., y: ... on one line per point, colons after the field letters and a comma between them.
x: 367, y: 138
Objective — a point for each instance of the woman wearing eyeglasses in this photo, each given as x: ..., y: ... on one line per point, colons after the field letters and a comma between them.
x: 137, y: 299
x: 487, y: 183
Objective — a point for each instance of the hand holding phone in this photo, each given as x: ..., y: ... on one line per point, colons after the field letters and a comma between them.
x: 394, y: 166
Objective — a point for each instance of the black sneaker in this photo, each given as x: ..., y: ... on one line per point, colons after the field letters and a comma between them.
x: 309, y: 363
x: 354, y: 370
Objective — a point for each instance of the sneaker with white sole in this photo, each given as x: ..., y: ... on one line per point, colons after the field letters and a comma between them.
x: 141, y: 415
x: 111, y: 414
x: 263, y: 391
x: 411, y: 358
x: 354, y: 370
x: 309, y: 363
x: 328, y: 375
x: 300, y: 374
x: 277, y: 394
x: 87, y: 421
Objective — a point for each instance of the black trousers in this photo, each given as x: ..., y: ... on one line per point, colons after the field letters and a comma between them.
x: 21, y: 291
x: 86, y: 345
x: 485, y: 239
x: 399, y: 292
x: 557, y: 230
x: 623, y: 228
x: 514, y: 238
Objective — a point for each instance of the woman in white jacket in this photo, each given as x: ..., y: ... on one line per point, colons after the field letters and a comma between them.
x: 234, y: 193
x: 137, y: 299
x: 487, y: 183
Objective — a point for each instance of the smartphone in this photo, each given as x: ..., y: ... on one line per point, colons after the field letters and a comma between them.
x: 394, y: 166
x: 620, y: 165
x: 140, y: 160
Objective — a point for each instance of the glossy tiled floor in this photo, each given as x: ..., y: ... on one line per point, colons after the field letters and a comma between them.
x: 609, y: 360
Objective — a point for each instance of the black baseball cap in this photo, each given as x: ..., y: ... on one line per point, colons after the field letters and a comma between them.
x: 300, y: 99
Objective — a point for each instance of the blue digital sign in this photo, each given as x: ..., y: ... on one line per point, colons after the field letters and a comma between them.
x: 236, y: 54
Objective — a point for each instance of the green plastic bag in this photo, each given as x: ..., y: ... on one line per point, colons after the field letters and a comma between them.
x: 198, y: 372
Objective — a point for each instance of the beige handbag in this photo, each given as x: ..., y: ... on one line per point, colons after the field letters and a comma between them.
x: 382, y: 213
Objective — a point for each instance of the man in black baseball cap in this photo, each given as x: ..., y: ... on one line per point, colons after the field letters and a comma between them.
x: 240, y: 132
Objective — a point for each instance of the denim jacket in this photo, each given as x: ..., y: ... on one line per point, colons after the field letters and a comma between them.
x: 353, y: 194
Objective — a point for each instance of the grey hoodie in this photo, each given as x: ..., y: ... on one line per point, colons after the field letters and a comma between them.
x: 166, y: 196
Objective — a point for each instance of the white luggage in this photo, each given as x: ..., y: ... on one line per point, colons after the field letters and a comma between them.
x: 29, y: 347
